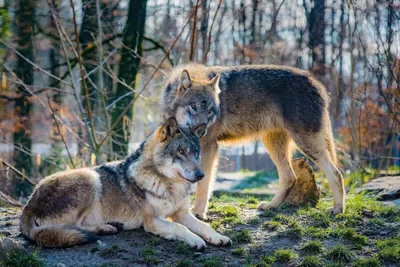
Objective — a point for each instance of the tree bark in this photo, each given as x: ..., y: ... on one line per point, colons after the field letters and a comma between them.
x: 23, y: 107
x: 316, y: 30
x: 128, y: 70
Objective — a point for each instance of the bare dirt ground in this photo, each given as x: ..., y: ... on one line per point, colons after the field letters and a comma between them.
x: 368, y: 234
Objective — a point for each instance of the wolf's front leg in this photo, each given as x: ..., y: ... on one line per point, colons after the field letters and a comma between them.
x: 175, y: 231
x: 202, y: 229
x: 209, y: 161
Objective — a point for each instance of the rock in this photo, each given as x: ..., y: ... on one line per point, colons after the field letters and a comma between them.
x: 306, y: 189
x: 60, y: 265
x: 8, y: 245
x: 386, y: 188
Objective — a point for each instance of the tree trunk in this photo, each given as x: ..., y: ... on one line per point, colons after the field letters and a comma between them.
x: 128, y: 70
x: 23, y: 106
x: 316, y: 30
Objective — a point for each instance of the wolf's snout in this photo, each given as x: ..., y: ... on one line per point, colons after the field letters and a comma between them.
x: 199, y: 175
x: 199, y: 130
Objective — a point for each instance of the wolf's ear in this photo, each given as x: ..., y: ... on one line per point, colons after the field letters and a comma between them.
x: 215, y: 84
x: 184, y: 82
x: 168, y: 129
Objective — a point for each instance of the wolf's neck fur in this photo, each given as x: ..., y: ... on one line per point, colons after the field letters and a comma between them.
x: 141, y: 170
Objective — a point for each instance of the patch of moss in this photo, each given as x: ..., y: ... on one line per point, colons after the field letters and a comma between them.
x: 312, y: 247
x: 268, y: 213
x: 25, y: 259
x: 284, y: 255
x: 311, y: 261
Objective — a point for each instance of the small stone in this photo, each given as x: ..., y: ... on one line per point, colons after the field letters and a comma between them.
x: 101, y: 244
x: 197, y: 254
x: 60, y: 265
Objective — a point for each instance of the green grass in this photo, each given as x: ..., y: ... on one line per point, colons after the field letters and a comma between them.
x: 268, y: 214
x: 239, y: 252
x: 351, y: 235
x: 259, y: 180
x: 149, y: 256
x: 182, y: 248
x: 94, y: 250
x: 389, y: 249
x: 254, y: 220
x: 184, y: 263
x: 225, y: 210
x: 284, y: 255
x: 295, y: 231
x: 312, y: 247
x: 367, y: 262
x: 311, y: 261
x: 212, y: 261
x: 242, y: 236
x: 284, y: 219
x: 25, y: 259
x: 316, y: 232
x: 272, y: 225
x: 339, y: 253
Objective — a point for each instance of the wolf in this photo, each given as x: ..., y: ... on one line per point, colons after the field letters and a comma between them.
x: 154, y: 183
x: 285, y: 107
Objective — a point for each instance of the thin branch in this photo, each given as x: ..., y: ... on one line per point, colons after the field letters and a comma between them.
x: 209, y: 33
x: 192, y: 45
x: 8, y: 199
x: 60, y: 133
x: 17, y: 171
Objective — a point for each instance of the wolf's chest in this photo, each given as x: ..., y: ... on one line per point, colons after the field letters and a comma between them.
x: 165, y: 207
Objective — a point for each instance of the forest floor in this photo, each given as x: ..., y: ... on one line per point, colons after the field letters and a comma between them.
x: 367, y: 234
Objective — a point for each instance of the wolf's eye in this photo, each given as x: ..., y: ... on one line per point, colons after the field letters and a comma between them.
x: 193, y: 106
x: 210, y: 111
x: 181, y: 151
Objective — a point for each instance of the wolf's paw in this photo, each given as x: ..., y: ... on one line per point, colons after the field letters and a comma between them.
x: 196, y: 243
x: 336, y: 210
x: 265, y: 206
x: 219, y: 240
x: 107, y: 229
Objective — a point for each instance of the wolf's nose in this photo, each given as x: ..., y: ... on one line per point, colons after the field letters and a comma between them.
x: 199, y: 175
x: 200, y: 130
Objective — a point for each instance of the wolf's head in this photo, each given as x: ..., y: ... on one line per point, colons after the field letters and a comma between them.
x: 194, y: 103
x: 176, y: 152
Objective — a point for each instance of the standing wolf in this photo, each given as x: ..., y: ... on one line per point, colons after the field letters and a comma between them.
x: 282, y: 106
x: 69, y: 208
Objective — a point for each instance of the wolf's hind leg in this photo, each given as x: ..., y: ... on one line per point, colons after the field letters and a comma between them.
x: 209, y: 161
x: 278, y: 144
x: 320, y: 149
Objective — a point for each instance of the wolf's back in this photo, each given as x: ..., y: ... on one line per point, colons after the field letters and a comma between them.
x: 53, y: 236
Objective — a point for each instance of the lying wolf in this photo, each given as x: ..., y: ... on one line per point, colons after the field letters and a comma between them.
x: 282, y: 106
x: 69, y: 208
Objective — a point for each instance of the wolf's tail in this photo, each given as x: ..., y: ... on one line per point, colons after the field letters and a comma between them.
x: 52, y: 236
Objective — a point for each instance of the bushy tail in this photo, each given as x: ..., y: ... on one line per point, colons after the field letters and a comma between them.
x: 52, y: 236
